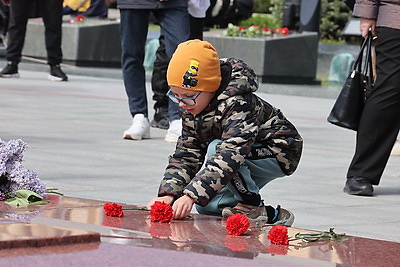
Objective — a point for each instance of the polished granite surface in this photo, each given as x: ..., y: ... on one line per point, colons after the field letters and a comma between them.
x: 72, y: 230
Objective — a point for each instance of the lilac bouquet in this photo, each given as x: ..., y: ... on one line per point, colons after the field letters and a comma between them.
x: 13, y: 175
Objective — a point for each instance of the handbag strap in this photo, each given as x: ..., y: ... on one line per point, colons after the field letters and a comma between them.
x: 366, y: 43
x: 368, y: 56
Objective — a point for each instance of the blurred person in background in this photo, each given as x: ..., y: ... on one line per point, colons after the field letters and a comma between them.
x: 173, y: 19
x: 380, y: 120
x: 20, y: 12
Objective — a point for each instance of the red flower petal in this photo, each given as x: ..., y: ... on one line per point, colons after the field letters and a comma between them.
x: 113, y: 209
x: 278, y: 235
x: 80, y: 18
x: 161, y: 212
x: 237, y: 224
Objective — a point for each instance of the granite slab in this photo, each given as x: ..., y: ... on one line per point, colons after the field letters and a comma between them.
x: 199, y: 234
x: 15, y: 234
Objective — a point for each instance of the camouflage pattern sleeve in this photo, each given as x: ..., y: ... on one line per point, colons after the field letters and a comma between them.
x: 184, y: 163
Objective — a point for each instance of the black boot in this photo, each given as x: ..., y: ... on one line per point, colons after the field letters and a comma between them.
x: 160, y: 119
x: 358, y: 186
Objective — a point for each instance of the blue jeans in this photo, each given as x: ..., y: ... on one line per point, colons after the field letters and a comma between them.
x: 255, y: 174
x: 134, y: 24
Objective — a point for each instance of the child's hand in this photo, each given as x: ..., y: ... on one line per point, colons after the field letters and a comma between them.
x: 165, y: 199
x: 182, y: 207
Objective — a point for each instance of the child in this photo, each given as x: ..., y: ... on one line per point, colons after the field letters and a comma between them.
x: 243, y: 141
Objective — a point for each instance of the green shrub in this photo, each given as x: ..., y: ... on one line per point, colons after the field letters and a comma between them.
x: 261, y: 6
x: 334, y: 16
x: 263, y: 20
x: 276, y: 10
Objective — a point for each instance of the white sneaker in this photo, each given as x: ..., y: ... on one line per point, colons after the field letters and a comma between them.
x: 174, y: 131
x: 140, y: 128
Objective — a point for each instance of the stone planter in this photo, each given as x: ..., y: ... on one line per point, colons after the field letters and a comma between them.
x: 94, y: 42
x: 290, y: 59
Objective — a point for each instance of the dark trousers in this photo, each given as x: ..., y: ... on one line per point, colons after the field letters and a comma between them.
x: 380, y: 120
x: 133, y: 31
x: 159, y: 83
x: 20, y: 11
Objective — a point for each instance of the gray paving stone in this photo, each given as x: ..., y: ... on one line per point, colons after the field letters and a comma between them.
x: 74, y: 132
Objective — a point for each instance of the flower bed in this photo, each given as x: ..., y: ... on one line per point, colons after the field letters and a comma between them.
x: 277, y: 58
x: 254, y: 31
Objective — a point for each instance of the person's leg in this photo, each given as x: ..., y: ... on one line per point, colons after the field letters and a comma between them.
x: 159, y: 87
x: 245, y: 187
x: 133, y: 33
x: 19, y: 10
x: 52, y: 19
x: 175, y: 27
x: 380, y: 120
x: 196, y: 28
x: 5, y: 13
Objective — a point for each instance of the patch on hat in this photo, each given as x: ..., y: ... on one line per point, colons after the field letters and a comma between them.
x: 189, y: 79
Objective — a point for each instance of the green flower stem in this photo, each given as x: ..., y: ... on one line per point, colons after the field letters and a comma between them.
x: 53, y: 191
x: 142, y: 208
x: 316, y: 237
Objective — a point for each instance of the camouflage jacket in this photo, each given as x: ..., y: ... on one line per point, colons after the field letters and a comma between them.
x: 239, y: 119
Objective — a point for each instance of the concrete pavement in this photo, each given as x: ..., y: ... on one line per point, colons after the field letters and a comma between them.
x: 74, y: 132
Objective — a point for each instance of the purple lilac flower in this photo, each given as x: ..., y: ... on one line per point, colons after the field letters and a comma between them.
x: 11, y: 152
x: 11, y: 168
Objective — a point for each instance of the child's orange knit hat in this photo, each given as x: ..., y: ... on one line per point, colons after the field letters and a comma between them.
x: 195, y: 66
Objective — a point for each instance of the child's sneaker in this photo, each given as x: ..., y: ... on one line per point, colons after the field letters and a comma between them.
x: 10, y: 71
x: 286, y: 216
x: 253, y: 213
x: 140, y: 128
x: 259, y: 213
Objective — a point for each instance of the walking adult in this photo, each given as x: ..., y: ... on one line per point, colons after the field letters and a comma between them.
x: 173, y: 19
x: 197, y: 13
x: 20, y: 12
x: 380, y: 120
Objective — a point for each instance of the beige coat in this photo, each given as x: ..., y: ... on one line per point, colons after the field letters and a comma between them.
x: 385, y: 12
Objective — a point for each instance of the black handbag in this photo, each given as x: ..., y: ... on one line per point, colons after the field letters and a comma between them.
x: 347, y: 110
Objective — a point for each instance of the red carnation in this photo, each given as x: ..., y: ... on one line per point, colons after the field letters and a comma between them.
x: 237, y: 224
x: 113, y: 209
x: 161, y: 212
x: 278, y: 235
x: 80, y: 18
